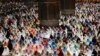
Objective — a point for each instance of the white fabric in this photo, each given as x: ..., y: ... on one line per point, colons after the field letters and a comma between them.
x: 1, y: 37
x: 5, y: 52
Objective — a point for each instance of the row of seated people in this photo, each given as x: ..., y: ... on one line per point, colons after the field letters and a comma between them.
x: 85, y: 24
x: 11, y: 7
x: 13, y: 21
x: 75, y: 36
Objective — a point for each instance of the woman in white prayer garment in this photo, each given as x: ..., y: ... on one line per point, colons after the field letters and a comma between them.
x: 2, y: 37
x: 5, y: 52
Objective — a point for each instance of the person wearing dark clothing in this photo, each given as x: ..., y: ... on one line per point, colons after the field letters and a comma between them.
x: 58, y: 36
x: 10, y: 22
x: 8, y: 34
x: 18, y: 19
x: 36, y: 53
x: 65, y: 40
x: 94, y: 52
x: 1, y: 50
x: 51, y: 37
x: 22, y: 40
x: 60, y: 53
x: 69, y: 32
x: 31, y: 35
x: 10, y: 46
x: 94, y: 41
x: 34, y: 40
x: 78, y: 40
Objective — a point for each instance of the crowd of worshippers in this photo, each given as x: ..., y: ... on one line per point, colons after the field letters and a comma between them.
x: 76, y: 35
x: 85, y: 28
x: 15, y: 21
x: 11, y: 7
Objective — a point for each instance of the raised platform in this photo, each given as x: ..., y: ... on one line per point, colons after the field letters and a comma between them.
x: 53, y: 22
x: 68, y: 11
